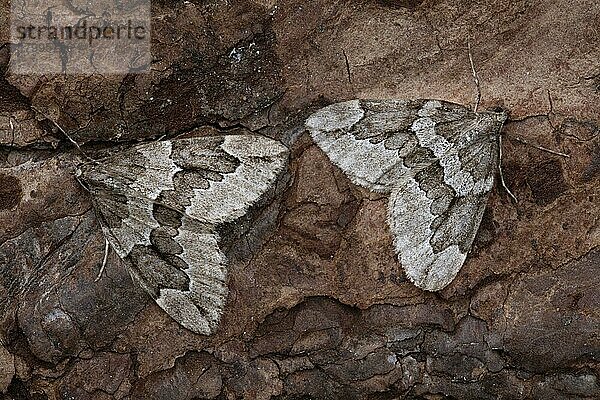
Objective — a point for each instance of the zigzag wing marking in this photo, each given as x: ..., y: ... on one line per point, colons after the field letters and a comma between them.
x: 437, y: 161
x: 160, y: 204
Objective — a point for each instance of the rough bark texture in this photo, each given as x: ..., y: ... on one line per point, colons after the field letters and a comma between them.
x: 320, y: 309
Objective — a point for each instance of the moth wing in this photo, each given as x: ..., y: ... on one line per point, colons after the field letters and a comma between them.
x: 433, y: 235
x: 368, y: 140
x: 181, y: 267
x: 251, y: 167
x: 155, y: 212
x: 435, y: 215
x: 437, y: 161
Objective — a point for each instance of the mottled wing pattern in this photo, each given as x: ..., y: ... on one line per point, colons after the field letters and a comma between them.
x: 160, y: 205
x: 436, y: 160
x: 366, y: 139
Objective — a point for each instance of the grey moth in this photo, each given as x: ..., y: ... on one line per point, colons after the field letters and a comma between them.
x: 160, y: 206
x: 436, y: 160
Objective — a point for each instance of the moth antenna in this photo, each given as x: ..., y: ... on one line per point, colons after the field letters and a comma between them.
x: 64, y: 133
x: 104, y: 260
x: 478, y: 87
x: 500, y: 170
x: 475, y: 77
x: 536, y: 146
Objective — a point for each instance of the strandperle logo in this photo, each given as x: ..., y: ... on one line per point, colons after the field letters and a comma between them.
x: 63, y: 37
x: 81, y: 32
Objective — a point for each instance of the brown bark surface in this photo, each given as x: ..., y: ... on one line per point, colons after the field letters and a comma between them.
x: 319, y: 306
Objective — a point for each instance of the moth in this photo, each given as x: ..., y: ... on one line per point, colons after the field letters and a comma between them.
x: 436, y: 160
x: 161, y: 205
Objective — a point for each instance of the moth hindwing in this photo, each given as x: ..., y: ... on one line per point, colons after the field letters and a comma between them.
x: 436, y: 160
x: 160, y: 206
